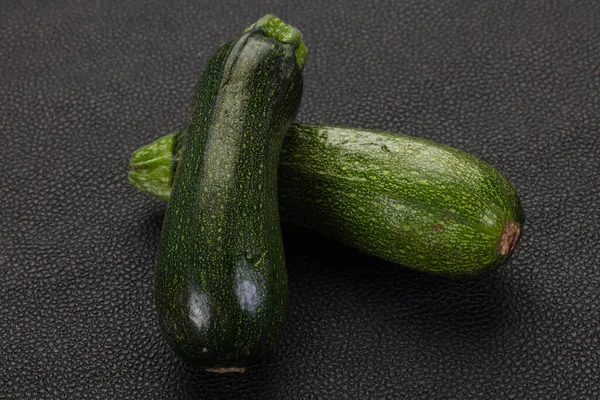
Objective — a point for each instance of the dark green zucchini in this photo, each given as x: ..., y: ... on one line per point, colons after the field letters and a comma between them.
x: 221, y: 282
x: 411, y: 201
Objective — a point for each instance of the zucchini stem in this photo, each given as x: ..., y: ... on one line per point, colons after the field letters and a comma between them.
x: 279, y: 30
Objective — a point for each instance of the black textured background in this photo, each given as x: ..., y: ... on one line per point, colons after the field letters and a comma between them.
x: 84, y: 83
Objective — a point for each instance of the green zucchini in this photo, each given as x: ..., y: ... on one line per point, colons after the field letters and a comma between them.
x: 411, y: 201
x: 221, y: 282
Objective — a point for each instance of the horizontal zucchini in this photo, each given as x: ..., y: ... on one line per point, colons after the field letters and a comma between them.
x: 414, y: 202
x: 221, y: 282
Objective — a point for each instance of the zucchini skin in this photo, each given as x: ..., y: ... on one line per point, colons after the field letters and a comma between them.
x: 414, y: 202
x: 221, y: 282
x: 411, y: 201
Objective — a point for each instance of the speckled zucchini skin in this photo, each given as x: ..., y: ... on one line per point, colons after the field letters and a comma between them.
x: 411, y: 201
x: 221, y: 283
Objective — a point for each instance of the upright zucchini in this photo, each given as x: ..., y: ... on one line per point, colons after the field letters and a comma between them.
x: 221, y: 283
x: 411, y: 201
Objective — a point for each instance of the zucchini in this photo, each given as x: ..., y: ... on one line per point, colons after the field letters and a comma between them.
x: 414, y: 202
x: 221, y: 282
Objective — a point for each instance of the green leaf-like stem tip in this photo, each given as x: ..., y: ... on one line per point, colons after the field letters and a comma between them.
x: 150, y: 168
x: 279, y: 30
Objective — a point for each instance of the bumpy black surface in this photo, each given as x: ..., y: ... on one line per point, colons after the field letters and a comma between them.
x: 84, y: 83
